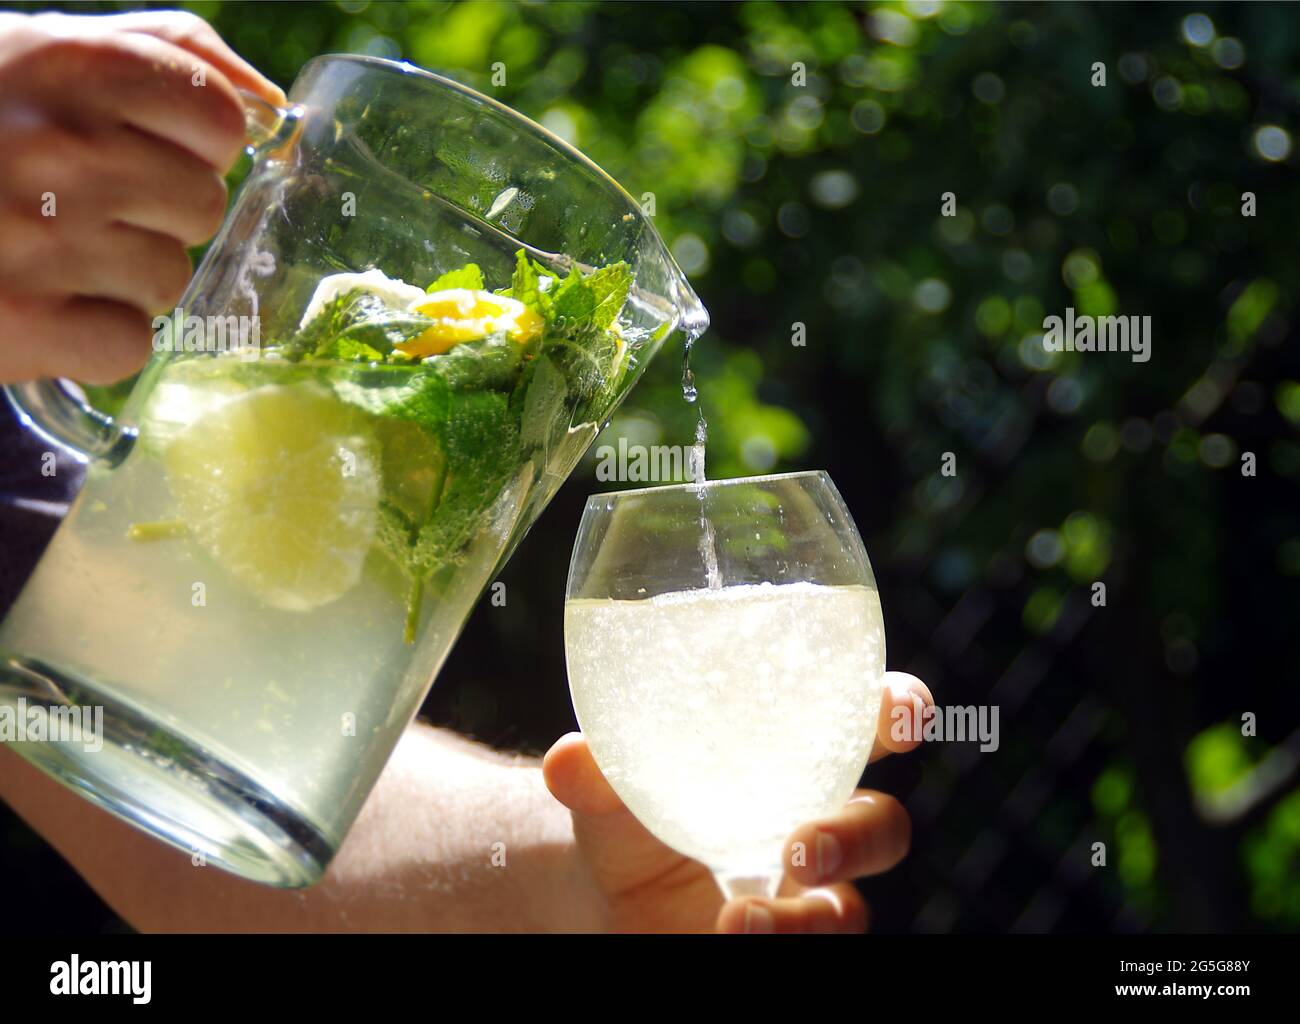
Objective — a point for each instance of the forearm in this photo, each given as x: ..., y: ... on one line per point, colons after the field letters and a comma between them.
x: 453, y: 838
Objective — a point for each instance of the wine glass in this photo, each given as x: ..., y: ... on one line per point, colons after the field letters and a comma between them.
x: 726, y: 654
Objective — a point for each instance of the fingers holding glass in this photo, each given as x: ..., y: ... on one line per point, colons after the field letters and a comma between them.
x: 870, y: 835
x: 902, y: 715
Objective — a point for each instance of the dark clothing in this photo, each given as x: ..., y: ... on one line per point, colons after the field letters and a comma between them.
x: 31, y: 504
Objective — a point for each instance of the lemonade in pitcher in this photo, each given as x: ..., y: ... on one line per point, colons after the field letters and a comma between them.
x: 302, y: 536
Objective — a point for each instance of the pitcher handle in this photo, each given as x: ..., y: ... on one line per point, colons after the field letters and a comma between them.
x: 51, y: 408
x: 267, y: 126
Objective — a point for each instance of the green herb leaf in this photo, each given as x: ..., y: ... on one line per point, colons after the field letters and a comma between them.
x: 593, y: 301
x: 587, y: 357
x: 354, y: 348
x: 525, y: 286
x: 573, y: 301
x: 355, y: 325
x: 493, y: 363
x: 542, y: 416
x: 468, y: 276
x: 609, y: 286
x: 482, y: 446
x: 456, y: 428
x: 430, y: 524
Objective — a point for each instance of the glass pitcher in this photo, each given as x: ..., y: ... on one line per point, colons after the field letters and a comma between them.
x: 282, y: 533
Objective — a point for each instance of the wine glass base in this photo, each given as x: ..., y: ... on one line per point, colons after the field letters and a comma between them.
x: 734, y: 886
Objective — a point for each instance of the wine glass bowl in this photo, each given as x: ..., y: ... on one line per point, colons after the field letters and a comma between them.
x: 726, y: 652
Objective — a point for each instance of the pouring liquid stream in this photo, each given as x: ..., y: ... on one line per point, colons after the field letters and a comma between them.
x: 696, y: 473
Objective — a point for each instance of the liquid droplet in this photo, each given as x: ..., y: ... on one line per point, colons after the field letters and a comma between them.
x: 689, y: 391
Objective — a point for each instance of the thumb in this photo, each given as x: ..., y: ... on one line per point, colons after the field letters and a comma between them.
x: 618, y: 847
x: 574, y: 778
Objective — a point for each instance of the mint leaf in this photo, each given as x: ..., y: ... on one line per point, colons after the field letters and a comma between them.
x: 376, y: 328
x: 459, y: 407
x: 493, y: 363
x: 592, y: 301
x: 525, y: 286
x: 481, y: 439
x: 352, y: 348
x: 586, y: 358
x: 573, y: 301
x: 323, y: 328
x: 580, y: 338
x: 609, y: 286
x: 468, y: 276
x: 424, y: 400
x: 458, y: 427
x: 542, y: 417
x: 355, y: 325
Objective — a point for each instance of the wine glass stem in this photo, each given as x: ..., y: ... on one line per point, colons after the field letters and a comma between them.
x: 734, y: 885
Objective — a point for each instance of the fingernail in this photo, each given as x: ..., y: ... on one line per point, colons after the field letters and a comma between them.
x: 829, y: 854
x: 758, y: 920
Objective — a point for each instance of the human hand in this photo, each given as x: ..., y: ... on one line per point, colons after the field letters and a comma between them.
x: 650, y: 887
x: 117, y: 133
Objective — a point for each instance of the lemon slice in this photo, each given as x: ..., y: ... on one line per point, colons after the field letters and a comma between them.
x: 280, y: 485
x: 390, y: 290
x: 463, y: 314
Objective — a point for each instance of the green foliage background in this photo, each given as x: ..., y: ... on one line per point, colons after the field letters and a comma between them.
x: 817, y: 201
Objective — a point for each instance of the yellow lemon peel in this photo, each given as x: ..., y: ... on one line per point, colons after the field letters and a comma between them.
x: 462, y: 314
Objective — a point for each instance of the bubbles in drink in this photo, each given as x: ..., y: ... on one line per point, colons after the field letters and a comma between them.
x: 756, y: 715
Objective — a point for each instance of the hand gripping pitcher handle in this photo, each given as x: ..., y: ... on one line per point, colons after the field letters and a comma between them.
x: 54, y: 408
